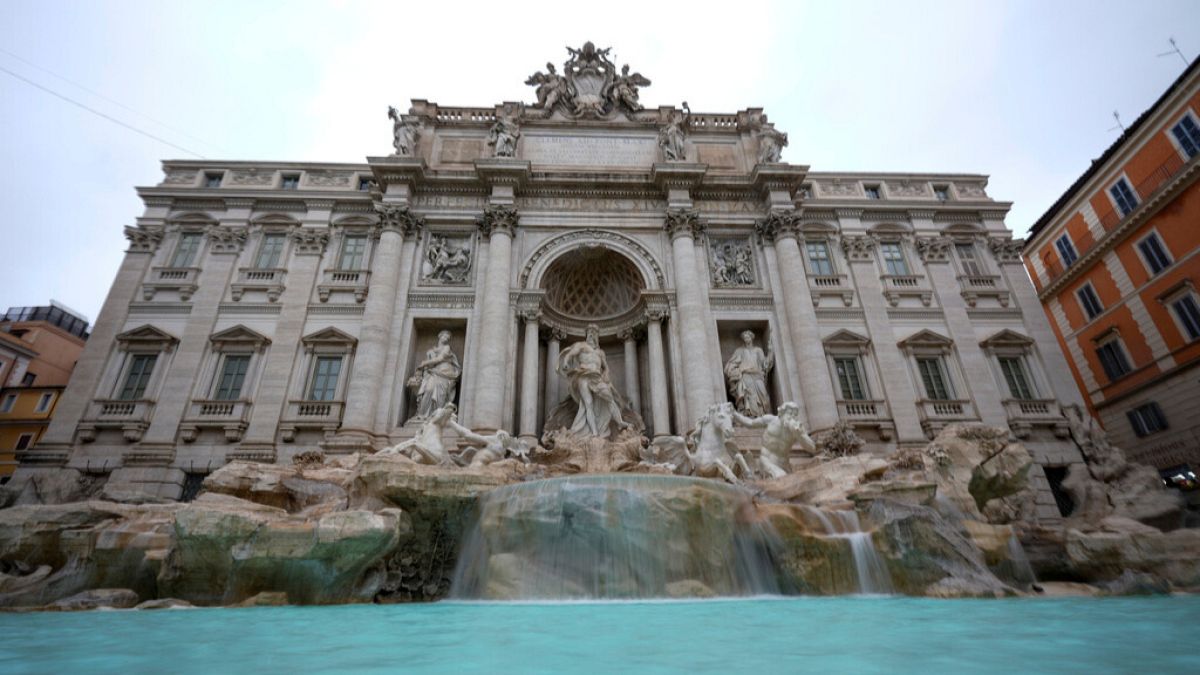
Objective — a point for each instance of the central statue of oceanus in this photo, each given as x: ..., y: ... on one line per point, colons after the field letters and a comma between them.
x: 590, y: 383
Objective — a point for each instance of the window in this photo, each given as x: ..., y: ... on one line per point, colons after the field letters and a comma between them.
x: 1066, y: 250
x: 364, y: 184
x: 185, y: 251
x: 290, y: 181
x: 233, y: 375
x: 325, y: 378
x: 213, y: 180
x: 44, y: 402
x: 1147, y: 419
x: 872, y: 191
x: 968, y: 258
x: 818, y: 258
x: 933, y: 376
x: 942, y: 192
x: 270, y: 251
x: 23, y: 441
x: 1154, y: 253
x: 1113, y: 360
x: 28, y: 379
x: 1188, y: 311
x: 1089, y: 301
x: 806, y: 191
x: 354, y: 248
x: 893, y: 258
x: 8, y: 403
x: 1122, y: 194
x: 137, y: 377
x: 850, y: 379
x: 1014, y: 375
x: 1187, y: 133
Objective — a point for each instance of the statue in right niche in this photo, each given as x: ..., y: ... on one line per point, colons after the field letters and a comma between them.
x: 435, y: 379
x: 746, y: 373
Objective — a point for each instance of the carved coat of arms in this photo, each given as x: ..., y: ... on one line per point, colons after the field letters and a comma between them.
x: 589, y: 86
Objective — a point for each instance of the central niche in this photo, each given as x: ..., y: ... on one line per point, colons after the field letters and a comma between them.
x: 592, y: 283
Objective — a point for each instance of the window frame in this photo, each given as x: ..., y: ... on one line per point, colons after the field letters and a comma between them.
x: 828, y: 260
x: 976, y: 259
x: 27, y: 437
x: 1129, y: 194
x: 364, y: 255
x: 127, y: 371
x: 1083, y: 305
x: 44, y: 402
x: 1023, y: 371
x: 334, y: 391
x: 364, y: 182
x: 8, y: 403
x: 1187, y: 116
x: 208, y: 177
x: 1181, y: 292
x: 279, y: 254
x: 942, y: 193
x: 1153, y: 236
x: 873, y: 191
x: 193, y: 255
x: 903, y: 258
x: 1147, y: 419
x: 859, y: 375
x: 290, y: 180
x: 1070, y: 246
x: 1111, y: 340
x: 219, y: 380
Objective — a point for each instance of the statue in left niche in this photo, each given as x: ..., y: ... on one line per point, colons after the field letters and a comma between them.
x: 435, y: 379
x: 504, y: 134
x: 404, y: 134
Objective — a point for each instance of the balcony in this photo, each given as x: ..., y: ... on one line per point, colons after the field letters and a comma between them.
x: 1113, y: 219
x: 344, y: 281
x: 936, y: 414
x: 1025, y: 414
x: 131, y: 417
x: 266, y: 280
x: 323, y: 415
x: 868, y: 414
x: 899, y: 286
x: 830, y: 285
x: 975, y: 286
x: 183, y: 280
x: 230, y: 416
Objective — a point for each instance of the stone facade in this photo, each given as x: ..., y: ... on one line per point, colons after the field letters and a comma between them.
x: 891, y: 301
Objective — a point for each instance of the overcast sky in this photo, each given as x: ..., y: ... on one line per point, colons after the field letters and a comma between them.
x: 1022, y: 91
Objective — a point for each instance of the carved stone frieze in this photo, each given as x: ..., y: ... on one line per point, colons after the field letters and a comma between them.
x: 934, y: 249
x: 329, y: 178
x: 970, y: 190
x: 143, y: 239
x: 732, y: 263
x: 497, y: 218
x: 226, y: 239
x: 1006, y: 250
x: 684, y: 222
x: 179, y: 177
x: 251, y: 177
x: 399, y: 218
x: 447, y: 260
x: 838, y: 188
x: 859, y: 248
x: 310, y: 241
x: 905, y: 188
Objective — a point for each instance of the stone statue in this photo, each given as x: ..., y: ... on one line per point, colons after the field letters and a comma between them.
x: 624, y: 89
x: 436, y: 378
x: 551, y: 87
x: 504, y: 134
x: 496, y: 446
x: 715, y: 455
x: 746, y: 372
x: 427, y: 446
x: 780, y: 433
x: 732, y: 264
x: 404, y: 134
x: 590, y: 385
x: 771, y: 143
x: 672, y: 137
x: 445, y: 262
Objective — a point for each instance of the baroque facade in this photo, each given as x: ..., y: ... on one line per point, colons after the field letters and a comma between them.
x: 267, y: 309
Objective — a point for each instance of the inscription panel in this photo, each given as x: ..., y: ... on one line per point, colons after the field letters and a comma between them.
x: 555, y: 150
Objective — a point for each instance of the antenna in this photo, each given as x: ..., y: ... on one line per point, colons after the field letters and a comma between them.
x: 1174, y: 50
x: 1120, y: 125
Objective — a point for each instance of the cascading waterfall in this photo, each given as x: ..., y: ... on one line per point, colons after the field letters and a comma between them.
x: 1021, y: 570
x: 616, y: 536
x: 870, y: 570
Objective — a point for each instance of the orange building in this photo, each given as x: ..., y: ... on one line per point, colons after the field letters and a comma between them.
x: 1116, y: 263
x: 38, y: 350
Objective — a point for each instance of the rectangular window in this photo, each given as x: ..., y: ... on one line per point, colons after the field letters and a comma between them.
x: 8, y: 403
x: 806, y: 191
x: 185, y: 252
x: 1013, y: 368
x: 137, y: 377
x: 893, y: 258
x: 23, y: 441
x: 872, y: 191
x: 44, y: 402
x: 233, y: 375
x: 28, y: 379
x: 1187, y: 133
x: 933, y: 376
x: 1147, y: 419
x: 364, y: 184
x: 1155, y: 254
x: 1066, y: 250
x: 818, y: 258
x: 1122, y: 194
x: 850, y: 379
x: 212, y: 180
x: 968, y: 259
x: 942, y: 192
x: 270, y: 251
x: 1113, y: 360
x: 1089, y: 301
x: 354, y: 248
x: 290, y: 181
x: 325, y: 378
x: 1188, y: 311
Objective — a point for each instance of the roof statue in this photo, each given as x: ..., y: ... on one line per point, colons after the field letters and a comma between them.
x: 589, y: 85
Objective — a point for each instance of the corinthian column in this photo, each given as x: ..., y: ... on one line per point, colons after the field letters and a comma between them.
x: 659, y: 413
x: 553, y: 345
x: 497, y: 223
x: 783, y: 228
x: 632, y: 386
x: 529, y: 375
x: 684, y: 226
x: 366, y: 380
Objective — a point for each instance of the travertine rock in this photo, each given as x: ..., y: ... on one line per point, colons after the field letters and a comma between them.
x: 108, y: 598
x: 1105, y: 555
x: 822, y: 483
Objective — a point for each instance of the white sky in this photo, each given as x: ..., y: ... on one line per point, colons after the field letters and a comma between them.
x: 1022, y: 91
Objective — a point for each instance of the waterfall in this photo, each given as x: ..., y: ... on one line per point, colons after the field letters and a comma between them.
x: 1020, y: 570
x: 616, y: 536
x: 869, y: 568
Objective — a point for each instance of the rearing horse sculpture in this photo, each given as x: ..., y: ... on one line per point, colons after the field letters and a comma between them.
x: 716, y: 456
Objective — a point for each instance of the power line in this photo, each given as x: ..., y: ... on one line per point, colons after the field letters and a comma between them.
x: 100, y: 114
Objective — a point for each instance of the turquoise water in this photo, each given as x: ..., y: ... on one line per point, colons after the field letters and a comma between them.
x: 834, y: 635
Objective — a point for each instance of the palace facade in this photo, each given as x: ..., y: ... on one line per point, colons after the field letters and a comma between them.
x: 266, y: 309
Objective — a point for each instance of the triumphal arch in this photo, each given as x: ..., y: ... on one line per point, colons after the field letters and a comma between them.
x: 268, y: 309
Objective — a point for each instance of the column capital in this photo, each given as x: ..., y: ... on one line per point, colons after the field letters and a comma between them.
x: 498, y: 218
x: 684, y: 222
x: 778, y: 225
x: 934, y: 249
x: 657, y: 313
x: 226, y: 239
x: 309, y: 240
x: 530, y: 314
x: 859, y: 248
x: 398, y: 218
x: 144, y: 239
x: 1006, y: 250
x: 632, y: 333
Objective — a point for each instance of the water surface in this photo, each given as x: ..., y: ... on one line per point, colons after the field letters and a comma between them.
x: 838, y: 635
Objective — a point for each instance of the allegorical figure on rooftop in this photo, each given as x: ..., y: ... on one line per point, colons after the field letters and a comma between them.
x: 504, y: 134
x: 404, y: 134
x: 672, y: 137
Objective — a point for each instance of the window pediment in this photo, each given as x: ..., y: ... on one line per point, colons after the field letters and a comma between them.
x: 1007, y: 338
x: 238, y: 336
x: 845, y: 337
x: 329, y: 340
x: 146, y: 337
x: 926, y: 338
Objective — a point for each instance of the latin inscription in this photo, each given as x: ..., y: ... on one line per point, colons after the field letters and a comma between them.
x: 640, y: 151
